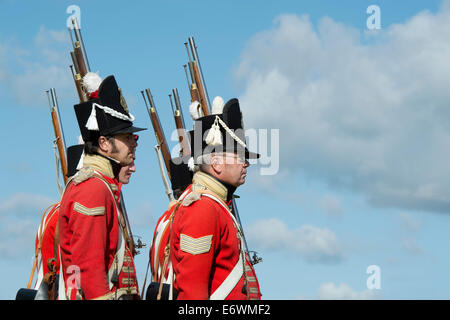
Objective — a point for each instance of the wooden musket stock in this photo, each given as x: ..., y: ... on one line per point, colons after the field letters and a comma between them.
x: 159, y: 133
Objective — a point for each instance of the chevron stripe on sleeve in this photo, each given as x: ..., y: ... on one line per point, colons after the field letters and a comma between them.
x: 195, y: 245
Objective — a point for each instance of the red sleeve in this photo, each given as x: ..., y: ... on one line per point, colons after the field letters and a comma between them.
x: 48, y: 240
x: 158, y: 245
x: 92, y: 212
x: 193, y: 269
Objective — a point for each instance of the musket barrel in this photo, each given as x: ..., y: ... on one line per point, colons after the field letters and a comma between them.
x: 77, y: 31
x: 202, y: 78
x: 59, y: 134
x: 183, y: 140
x: 171, y: 104
x: 176, y: 98
x: 78, y: 52
x: 159, y: 132
x: 75, y: 62
x: 167, y: 188
x: 48, y: 98
x: 55, y: 104
x: 150, y: 98
x: 187, y: 77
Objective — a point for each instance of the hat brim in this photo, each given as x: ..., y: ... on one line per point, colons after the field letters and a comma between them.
x: 131, y: 129
x: 251, y: 155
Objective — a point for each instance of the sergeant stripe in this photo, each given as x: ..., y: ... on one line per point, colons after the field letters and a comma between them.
x: 195, y: 245
x: 127, y: 281
x: 97, y: 211
x: 253, y: 290
x: 128, y: 269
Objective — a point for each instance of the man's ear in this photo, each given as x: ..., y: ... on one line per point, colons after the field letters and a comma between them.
x: 217, y: 164
x: 104, y: 144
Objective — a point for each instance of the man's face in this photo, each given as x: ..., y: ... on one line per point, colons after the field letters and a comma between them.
x: 123, y: 148
x: 125, y: 173
x: 234, y: 168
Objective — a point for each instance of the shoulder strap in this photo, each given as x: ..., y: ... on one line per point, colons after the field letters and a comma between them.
x: 39, y: 246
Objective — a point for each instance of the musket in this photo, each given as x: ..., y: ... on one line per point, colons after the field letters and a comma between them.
x: 193, y: 90
x: 79, y: 60
x: 79, y: 48
x: 159, y: 132
x: 132, y: 246
x: 185, y: 148
x: 59, y: 134
x: 77, y: 79
x: 167, y: 187
x: 253, y: 259
x: 197, y: 86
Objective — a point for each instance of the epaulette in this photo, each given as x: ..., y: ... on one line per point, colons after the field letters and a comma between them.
x: 191, y: 198
x: 83, y: 174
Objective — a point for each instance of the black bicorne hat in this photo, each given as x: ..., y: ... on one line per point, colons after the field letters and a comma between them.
x: 221, y: 133
x: 74, y: 154
x: 105, y: 115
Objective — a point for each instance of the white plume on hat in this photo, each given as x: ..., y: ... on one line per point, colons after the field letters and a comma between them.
x: 217, y: 105
x: 194, y: 110
x: 91, y: 82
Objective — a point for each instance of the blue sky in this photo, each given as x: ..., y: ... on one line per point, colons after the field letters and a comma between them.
x: 363, y: 122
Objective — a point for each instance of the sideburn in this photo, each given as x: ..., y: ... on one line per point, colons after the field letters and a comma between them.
x: 114, y: 147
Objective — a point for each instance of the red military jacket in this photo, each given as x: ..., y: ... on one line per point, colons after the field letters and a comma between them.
x: 96, y: 262
x: 44, y: 245
x: 206, y: 246
x: 160, y: 240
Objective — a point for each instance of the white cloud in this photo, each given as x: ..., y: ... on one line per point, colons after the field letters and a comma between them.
x: 28, y: 72
x: 316, y: 245
x: 331, y: 205
x: 411, y: 245
x: 24, y: 205
x: 331, y: 291
x: 410, y: 223
x: 20, y: 216
x: 369, y: 113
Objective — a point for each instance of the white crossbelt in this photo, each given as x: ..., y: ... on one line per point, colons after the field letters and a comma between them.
x: 238, y: 271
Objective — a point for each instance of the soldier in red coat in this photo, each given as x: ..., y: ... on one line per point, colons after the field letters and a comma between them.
x: 45, y: 237
x: 96, y: 248
x: 45, y: 248
x: 180, y: 179
x: 207, y: 250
